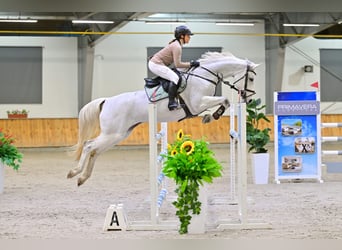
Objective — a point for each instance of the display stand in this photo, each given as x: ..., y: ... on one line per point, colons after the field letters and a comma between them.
x: 297, y: 135
x: 2, y: 177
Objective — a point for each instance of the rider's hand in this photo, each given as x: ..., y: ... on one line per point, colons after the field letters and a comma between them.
x: 194, y: 64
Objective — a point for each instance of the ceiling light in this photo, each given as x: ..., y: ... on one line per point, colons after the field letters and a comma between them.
x: 301, y: 25
x: 165, y: 22
x: 92, y: 21
x: 18, y: 20
x: 234, y: 24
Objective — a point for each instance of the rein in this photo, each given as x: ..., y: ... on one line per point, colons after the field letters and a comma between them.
x: 219, y: 77
x: 245, y: 90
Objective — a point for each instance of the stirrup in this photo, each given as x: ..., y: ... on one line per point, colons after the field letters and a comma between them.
x: 174, y: 106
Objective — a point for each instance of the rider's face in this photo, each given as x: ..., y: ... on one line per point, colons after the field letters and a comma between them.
x: 186, y: 38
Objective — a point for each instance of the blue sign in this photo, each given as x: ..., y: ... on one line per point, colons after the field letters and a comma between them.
x: 296, y: 142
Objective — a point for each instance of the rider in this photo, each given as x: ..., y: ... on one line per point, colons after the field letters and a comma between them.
x: 172, y: 53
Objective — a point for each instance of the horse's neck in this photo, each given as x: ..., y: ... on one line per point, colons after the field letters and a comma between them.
x: 229, y: 67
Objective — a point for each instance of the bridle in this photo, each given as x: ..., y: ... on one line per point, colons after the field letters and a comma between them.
x: 245, y: 93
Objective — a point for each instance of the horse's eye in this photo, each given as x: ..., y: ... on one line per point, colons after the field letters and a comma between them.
x: 251, y: 79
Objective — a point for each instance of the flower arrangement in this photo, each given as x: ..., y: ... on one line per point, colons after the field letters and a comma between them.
x: 189, y: 163
x: 9, y: 154
x: 17, y: 113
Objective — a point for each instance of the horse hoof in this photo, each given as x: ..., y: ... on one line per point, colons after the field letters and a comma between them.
x: 70, y: 175
x: 80, y: 182
x: 206, y: 119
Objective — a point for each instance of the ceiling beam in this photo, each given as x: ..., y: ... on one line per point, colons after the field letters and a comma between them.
x: 172, y: 6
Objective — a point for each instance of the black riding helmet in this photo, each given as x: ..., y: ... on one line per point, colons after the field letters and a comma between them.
x: 182, y: 30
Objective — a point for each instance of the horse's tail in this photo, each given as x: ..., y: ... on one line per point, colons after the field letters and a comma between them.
x: 88, y: 124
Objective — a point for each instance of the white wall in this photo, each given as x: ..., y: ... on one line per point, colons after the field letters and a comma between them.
x: 59, y: 77
x: 120, y: 63
x: 121, y: 59
x: 294, y: 78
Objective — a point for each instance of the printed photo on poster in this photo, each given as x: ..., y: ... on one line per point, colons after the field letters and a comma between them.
x: 291, y: 127
x: 291, y: 164
x: 304, y: 145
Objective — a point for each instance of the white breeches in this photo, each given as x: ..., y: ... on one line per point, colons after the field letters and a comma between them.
x: 163, y: 71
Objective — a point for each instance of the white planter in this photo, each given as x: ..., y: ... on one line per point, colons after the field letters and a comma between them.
x: 2, y: 174
x: 197, y: 223
x: 260, y: 168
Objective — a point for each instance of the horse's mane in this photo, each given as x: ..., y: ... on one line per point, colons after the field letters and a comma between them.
x: 216, y: 56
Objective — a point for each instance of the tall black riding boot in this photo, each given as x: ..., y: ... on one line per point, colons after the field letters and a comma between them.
x: 172, y: 95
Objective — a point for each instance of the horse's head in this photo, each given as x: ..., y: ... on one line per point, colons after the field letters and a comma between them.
x: 244, y: 83
x: 225, y: 65
x: 249, y: 89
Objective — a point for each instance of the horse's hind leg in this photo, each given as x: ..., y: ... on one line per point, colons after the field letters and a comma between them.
x: 89, y: 168
x: 83, y: 159
x: 101, y: 144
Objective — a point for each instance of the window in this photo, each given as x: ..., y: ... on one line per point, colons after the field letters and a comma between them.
x: 21, y: 75
x: 331, y: 75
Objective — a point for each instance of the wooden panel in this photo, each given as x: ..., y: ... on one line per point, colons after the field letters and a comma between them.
x: 331, y: 131
x: 63, y: 132
x: 42, y: 132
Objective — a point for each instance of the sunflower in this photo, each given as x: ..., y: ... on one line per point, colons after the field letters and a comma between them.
x: 174, y: 152
x: 188, y: 147
x: 180, y: 134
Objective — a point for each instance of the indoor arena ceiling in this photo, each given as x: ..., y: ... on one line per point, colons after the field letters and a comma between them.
x: 60, y: 23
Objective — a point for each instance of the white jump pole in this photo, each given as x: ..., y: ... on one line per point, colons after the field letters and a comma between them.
x: 332, y: 125
x: 232, y: 156
x: 162, y: 136
x: 155, y: 223
x: 153, y: 126
x: 116, y: 218
x: 331, y: 139
x: 243, y: 222
x: 331, y: 152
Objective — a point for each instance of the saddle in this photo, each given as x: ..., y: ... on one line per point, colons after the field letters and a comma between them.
x: 157, y: 81
x: 157, y: 88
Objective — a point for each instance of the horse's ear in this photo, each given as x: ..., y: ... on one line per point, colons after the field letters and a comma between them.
x: 254, y: 65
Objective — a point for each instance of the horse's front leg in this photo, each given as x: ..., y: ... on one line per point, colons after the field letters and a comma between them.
x: 212, y: 101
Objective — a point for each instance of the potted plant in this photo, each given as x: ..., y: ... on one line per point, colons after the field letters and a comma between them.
x: 189, y: 163
x: 257, y: 140
x: 16, y: 113
x: 9, y: 155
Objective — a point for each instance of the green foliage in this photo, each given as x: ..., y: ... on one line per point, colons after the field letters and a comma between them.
x: 256, y: 138
x: 190, y: 163
x: 9, y: 154
x: 17, y: 111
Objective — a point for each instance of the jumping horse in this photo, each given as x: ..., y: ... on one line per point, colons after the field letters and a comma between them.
x: 104, y: 122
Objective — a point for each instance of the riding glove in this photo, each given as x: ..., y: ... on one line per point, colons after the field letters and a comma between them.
x: 194, y: 64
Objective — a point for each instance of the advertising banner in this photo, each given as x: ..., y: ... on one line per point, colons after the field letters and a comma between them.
x: 297, y: 135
